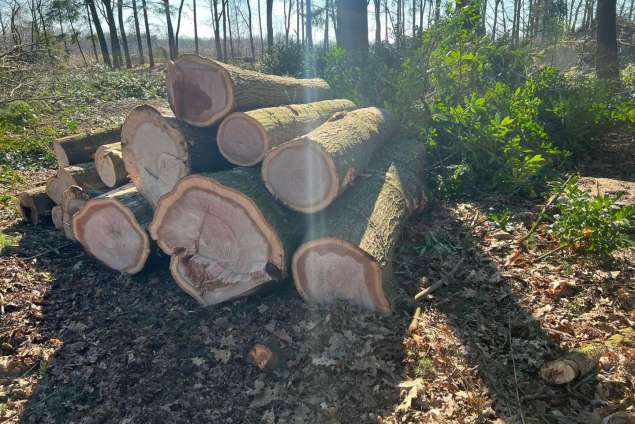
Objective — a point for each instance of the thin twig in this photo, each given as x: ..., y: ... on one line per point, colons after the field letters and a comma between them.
x: 52, y: 249
x: 415, y: 320
x: 440, y: 282
x: 511, y: 350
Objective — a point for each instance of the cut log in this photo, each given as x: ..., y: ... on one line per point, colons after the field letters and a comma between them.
x: 84, y: 175
x: 159, y: 150
x: 112, y: 228
x: 81, y: 148
x: 350, y: 246
x: 309, y: 172
x: 35, y: 205
x: 573, y: 365
x: 73, y: 200
x: 110, y: 166
x: 56, y: 216
x: 226, y: 234
x: 55, y: 189
x: 245, y: 137
x: 201, y: 91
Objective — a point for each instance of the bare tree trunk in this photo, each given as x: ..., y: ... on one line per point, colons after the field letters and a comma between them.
x: 414, y: 18
x: 137, y: 32
x: 178, y: 26
x: 377, y: 23
x: 171, y: 42
x: 195, y: 27
x: 237, y: 29
x: 122, y: 29
x: 114, y: 40
x: 437, y: 10
x: 352, y: 24
x: 270, y: 24
x: 262, y: 42
x: 287, y: 21
x: 224, y: 13
x: 422, y: 11
x: 251, y: 35
x: 606, y: 58
x: 90, y: 28
x: 309, y: 24
x: 297, y: 21
x: 100, y: 33
x: 386, y: 19
x: 229, y: 27
x: 303, y: 21
x: 75, y: 37
x: 216, y: 26
x: 496, y: 3
x: 148, y: 37
x: 62, y: 34
x: 326, y: 25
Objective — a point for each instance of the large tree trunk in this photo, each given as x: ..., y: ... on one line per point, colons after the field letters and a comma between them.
x: 122, y: 30
x: 245, y: 137
x: 100, y: 33
x: 269, y: 24
x: 81, y: 148
x: 606, y: 57
x: 112, y: 228
x: 135, y: 15
x: 159, y: 150
x: 92, y: 36
x: 73, y: 199
x: 350, y: 248
x: 202, y: 91
x: 308, y: 173
x: 148, y: 37
x: 110, y: 166
x: 35, y: 205
x: 226, y: 234
x: 352, y: 24
x: 117, y: 60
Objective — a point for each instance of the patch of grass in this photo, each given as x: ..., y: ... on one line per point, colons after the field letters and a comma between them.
x: 9, y: 176
x: 6, y: 200
x: 424, y: 365
x: 7, y: 240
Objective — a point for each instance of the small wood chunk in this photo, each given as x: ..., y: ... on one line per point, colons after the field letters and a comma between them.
x: 35, y: 205
x: 263, y: 357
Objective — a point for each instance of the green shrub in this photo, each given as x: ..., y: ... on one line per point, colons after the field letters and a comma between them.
x: 591, y: 224
x: 15, y: 116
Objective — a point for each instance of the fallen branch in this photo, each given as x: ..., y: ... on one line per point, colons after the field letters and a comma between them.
x: 441, y: 282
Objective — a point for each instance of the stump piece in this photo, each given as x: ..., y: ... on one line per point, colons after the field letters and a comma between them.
x: 202, y: 91
x: 56, y: 216
x: 308, y: 173
x: 73, y: 200
x: 245, y: 137
x: 112, y: 228
x: 350, y: 246
x: 35, y: 205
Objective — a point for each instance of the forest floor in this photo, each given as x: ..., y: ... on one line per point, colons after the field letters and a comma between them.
x: 81, y: 344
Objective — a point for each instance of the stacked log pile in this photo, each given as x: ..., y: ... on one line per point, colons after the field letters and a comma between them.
x: 326, y: 207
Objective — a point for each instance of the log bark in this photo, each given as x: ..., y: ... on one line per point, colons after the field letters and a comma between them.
x: 73, y: 199
x: 55, y: 189
x: 84, y: 175
x: 110, y: 166
x: 309, y: 172
x: 245, y: 137
x: 159, y: 150
x: 202, y: 91
x: 56, y: 217
x: 226, y: 234
x: 349, y: 248
x: 81, y: 148
x: 112, y: 228
x: 35, y: 205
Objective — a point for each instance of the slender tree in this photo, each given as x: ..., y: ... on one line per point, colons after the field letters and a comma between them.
x: 122, y: 30
x: 71, y: 14
x: 216, y: 27
x: 195, y: 27
x: 309, y: 24
x: 352, y: 25
x: 606, y: 63
x: 377, y: 22
x: 224, y: 14
x: 148, y: 36
x: 178, y: 26
x: 135, y: 16
x: 326, y: 25
x: 103, y: 46
x: 114, y: 40
x: 90, y: 28
x: 269, y: 24
x: 251, y: 36
x: 262, y: 43
x: 171, y: 42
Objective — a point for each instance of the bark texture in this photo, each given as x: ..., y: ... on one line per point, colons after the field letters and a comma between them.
x: 350, y: 247
x: 35, y: 205
x: 202, y: 91
x: 110, y: 166
x: 83, y: 175
x: 73, y: 200
x: 308, y: 173
x: 55, y: 189
x: 226, y: 234
x: 245, y: 137
x: 112, y: 228
x: 56, y: 217
x: 159, y: 150
x: 81, y: 148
